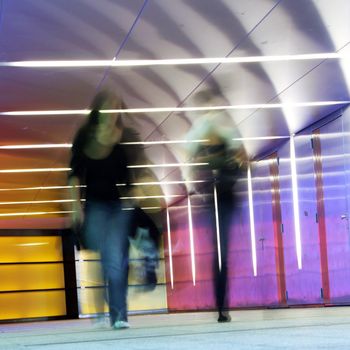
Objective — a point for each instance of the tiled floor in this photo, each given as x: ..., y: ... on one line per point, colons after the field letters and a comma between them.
x: 307, y: 328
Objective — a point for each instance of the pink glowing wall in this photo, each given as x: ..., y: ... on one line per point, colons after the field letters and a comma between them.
x: 323, y: 168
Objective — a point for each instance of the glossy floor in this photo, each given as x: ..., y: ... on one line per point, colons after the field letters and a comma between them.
x: 307, y: 328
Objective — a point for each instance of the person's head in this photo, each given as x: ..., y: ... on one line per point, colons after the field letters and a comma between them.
x: 105, y: 100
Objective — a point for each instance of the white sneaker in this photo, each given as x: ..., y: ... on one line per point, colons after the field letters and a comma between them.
x: 121, y: 325
x: 100, y: 322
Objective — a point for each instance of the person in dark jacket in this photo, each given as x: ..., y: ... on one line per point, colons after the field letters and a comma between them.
x: 99, y: 162
x: 225, y: 159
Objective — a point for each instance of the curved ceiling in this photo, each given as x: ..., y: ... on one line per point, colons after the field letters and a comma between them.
x: 280, y: 65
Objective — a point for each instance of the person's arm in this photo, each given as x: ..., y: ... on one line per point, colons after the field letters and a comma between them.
x: 77, y: 211
x: 74, y: 180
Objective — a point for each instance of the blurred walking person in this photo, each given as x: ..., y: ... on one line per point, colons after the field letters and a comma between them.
x: 225, y: 159
x: 99, y: 162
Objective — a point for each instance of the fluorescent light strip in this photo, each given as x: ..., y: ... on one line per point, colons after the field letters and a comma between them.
x: 38, y: 146
x: 295, y: 202
x: 218, y: 240
x: 69, y: 145
x: 154, y: 197
x: 167, y: 182
x: 260, y: 138
x: 164, y: 142
x: 181, y: 109
x: 30, y: 244
x: 165, y: 165
x: 190, y: 226
x: 39, y: 202
x: 35, y: 213
x: 134, y: 184
x: 171, y: 62
x: 170, y: 250
x: 37, y: 188
x: 252, y: 222
x: 38, y: 170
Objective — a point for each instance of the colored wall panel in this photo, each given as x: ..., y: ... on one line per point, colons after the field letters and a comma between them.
x: 21, y: 305
x: 31, y: 277
x: 30, y: 249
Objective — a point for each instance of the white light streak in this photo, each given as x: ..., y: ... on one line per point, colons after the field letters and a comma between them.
x: 30, y: 244
x: 169, y: 165
x: 39, y: 202
x: 218, y: 240
x: 171, y: 62
x: 170, y: 250
x: 180, y: 109
x: 34, y: 170
x: 252, y: 223
x: 35, y: 213
x: 38, y: 146
x: 295, y: 202
x: 190, y: 226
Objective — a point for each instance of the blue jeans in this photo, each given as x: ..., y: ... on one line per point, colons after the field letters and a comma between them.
x: 106, y: 230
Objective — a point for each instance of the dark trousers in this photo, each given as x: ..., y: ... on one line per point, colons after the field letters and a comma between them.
x: 225, y: 203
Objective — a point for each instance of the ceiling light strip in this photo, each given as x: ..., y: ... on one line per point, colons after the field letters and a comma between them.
x: 181, y: 109
x: 37, y: 146
x: 133, y: 184
x: 69, y: 145
x: 36, y: 170
x: 172, y: 62
x: 35, y: 213
x: 39, y: 202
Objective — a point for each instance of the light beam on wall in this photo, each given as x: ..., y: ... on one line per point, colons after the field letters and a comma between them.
x: 295, y: 202
x: 190, y: 226
x: 170, y: 250
x: 251, y: 219
x: 218, y: 240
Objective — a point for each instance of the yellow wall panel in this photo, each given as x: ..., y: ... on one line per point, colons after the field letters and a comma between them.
x: 32, y: 304
x: 143, y: 301
x: 31, y: 276
x: 30, y: 249
x: 138, y: 300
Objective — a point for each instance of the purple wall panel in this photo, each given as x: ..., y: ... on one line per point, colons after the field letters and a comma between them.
x: 335, y: 203
x: 303, y: 286
x: 181, y: 297
x: 242, y: 285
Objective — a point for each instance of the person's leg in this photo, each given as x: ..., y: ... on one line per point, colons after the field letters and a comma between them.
x: 93, y: 236
x: 225, y: 209
x: 115, y: 262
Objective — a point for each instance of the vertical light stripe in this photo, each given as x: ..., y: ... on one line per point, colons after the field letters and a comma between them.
x: 252, y: 223
x: 217, y: 226
x: 170, y: 250
x: 293, y: 166
x: 193, y: 264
